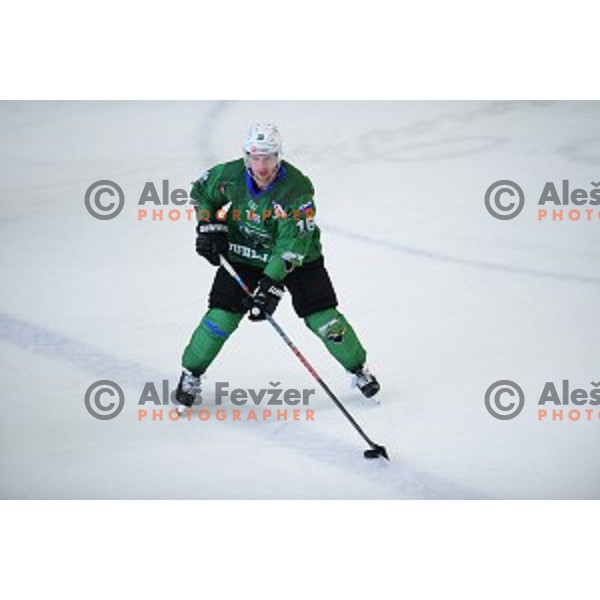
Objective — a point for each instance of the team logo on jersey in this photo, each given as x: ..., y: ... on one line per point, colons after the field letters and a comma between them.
x: 261, y: 238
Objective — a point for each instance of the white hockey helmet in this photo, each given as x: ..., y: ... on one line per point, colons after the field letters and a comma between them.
x: 263, y: 138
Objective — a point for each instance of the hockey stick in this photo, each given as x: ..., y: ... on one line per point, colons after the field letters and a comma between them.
x: 375, y: 450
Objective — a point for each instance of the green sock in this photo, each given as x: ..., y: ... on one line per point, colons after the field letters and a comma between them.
x: 339, y: 337
x: 208, y: 339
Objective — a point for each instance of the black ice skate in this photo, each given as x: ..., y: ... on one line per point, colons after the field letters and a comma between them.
x: 365, y: 381
x: 188, y: 388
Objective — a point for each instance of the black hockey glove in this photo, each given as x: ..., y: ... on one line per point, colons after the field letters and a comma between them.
x: 265, y: 299
x: 212, y: 240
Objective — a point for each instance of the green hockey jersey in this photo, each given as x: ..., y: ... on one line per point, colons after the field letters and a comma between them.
x: 272, y: 229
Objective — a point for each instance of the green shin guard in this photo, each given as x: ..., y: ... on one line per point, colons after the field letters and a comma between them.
x: 339, y: 337
x: 208, y: 339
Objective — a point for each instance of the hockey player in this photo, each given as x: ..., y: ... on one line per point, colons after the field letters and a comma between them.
x: 270, y: 236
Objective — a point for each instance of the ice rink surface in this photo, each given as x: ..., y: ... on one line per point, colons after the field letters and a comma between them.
x: 446, y: 298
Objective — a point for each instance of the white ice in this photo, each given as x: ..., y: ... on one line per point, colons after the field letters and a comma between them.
x: 446, y: 299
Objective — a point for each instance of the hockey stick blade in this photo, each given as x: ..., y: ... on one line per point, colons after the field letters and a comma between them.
x: 376, y: 451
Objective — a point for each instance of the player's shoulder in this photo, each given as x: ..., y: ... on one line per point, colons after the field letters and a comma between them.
x: 296, y: 181
x: 234, y: 168
x: 228, y: 170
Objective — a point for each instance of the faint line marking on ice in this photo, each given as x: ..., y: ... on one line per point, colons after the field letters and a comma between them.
x: 55, y: 345
x: 382, y: 144
x: 39, y: 339
x: 402, y: 480
x: 457, y: 260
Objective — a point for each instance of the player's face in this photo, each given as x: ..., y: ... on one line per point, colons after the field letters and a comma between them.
x: 264, y: 167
